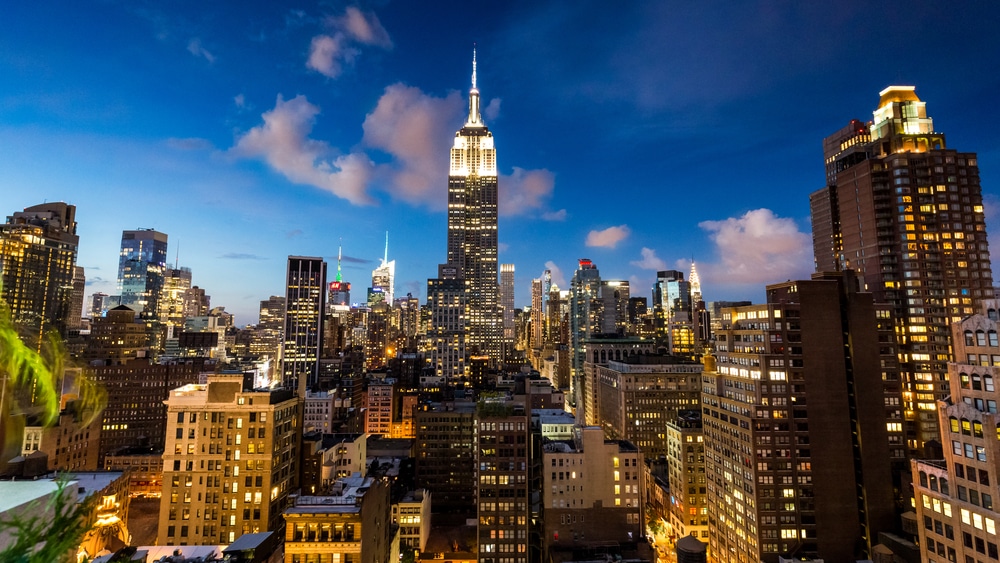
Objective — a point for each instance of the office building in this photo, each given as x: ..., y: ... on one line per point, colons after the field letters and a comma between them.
x: 383, y: 277
x: 230, y: 462
x: 507, y: 302
x: 413, y: 516
x: 142, y: 265
x: 803, y: 407
x: 688, y: 509
x: 447, y: 300
x: 593, y: 492
x: 673, y: 310
x: 305, y: 304
x: 340, y: 291
x: 906, y: 212
x: 445, y: 462
x: 537, y: 314
x: 267, y: 340
x: 504, y: 443
x: 472, y: 228
x: 956, y: 516
x: 135, y: 414
x: 176, y: 283
x: 634, y: 398
x: 38, y: 248
x: 75, y: 318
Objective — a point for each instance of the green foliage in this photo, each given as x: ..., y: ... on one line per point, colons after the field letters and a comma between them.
x: 51, y: 533
x: 21, y: 366
x: 40, y: 373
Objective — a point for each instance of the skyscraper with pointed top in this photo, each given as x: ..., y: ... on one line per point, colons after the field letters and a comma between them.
x: 340, y: 291
x: 383, y: 276
x: 472, y: 228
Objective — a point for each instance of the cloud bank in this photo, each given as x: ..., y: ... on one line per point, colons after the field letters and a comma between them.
x: 416, y: 130
x: 283, y: 142
x: 756, y: 248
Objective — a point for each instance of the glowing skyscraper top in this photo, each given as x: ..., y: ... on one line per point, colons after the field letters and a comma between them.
x: 472, y: 227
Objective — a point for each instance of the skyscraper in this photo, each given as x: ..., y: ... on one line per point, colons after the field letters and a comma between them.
x: 142, y: 264
x: 537, y: 313
x: 802, y: 408
x: 507, y: 301
x: 446, y: 333
x: 340, y: 291
x: 75, y: 319
x: 383, y: 277
x: 906, y: 213
x: 472, y: 227
x: 176, y: 283
x: 305, y: 302
x: 37, y: 260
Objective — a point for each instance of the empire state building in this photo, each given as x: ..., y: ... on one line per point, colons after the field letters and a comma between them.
x: 472, y: 229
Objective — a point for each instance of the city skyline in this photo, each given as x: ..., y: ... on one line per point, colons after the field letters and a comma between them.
x: 218, y: 127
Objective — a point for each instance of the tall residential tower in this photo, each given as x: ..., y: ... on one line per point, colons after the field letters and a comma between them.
x: 906, y: 213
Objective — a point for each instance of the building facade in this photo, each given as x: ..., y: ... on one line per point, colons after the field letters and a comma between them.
x: 305, y: 304
x: 230, y: 462
x: 472, y: 228
x: 38, y: 248
x: 142, y: 264
x: 593, y: 491
x: 956, y: 516
x: 803, y: 407
x: 906, y: 213
x: 635, y: 398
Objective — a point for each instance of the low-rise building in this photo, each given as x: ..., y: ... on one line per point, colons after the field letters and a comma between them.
x: 349, y: 525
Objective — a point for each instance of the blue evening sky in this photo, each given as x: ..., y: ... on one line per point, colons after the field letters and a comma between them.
x: 641, y: 135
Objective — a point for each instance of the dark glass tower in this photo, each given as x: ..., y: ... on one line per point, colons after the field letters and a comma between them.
x: 305, y: 302
x: 142, y: 265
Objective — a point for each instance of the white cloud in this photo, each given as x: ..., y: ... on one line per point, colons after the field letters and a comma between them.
x: 554, y: 215
x: 492, y: 110
x: 650, y: 261
x: 416, y: 129
x: 557, y: 275
x: 283, y: 142
x: 195, y: 48
x: 608, y: 238
x: 524, y: 190
x: 363, y: 28
x: 758, y: 247
x: 329, y: 53
x: 240, y: 100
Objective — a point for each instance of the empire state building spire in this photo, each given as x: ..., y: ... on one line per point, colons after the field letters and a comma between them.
x: 475, y: 119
